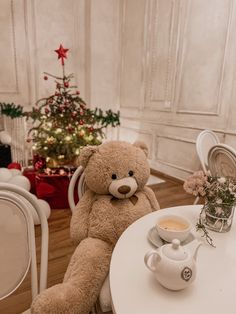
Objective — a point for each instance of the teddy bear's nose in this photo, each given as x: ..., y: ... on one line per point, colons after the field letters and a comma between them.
x: 124, y: 189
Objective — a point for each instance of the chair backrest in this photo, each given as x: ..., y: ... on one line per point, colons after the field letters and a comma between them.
x: 205, y: 140
x: 77, y: 175
x: 222, y: 161
x: 17, y: 241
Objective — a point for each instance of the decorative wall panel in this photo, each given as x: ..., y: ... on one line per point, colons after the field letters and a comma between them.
x: 104, y: 51
x: 8, y: 81
x: 132, y: 45
x: 202, y: 55
x: 161, y: 57
x: 188, y: 73
x: 13, y: 64
x: 170, y: 150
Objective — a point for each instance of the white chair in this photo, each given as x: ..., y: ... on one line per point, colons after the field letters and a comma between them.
x: 105, y: 293
x: 17, y: 241
x: 205, y: 140
x: 77, y: 175
x: 222, y: 161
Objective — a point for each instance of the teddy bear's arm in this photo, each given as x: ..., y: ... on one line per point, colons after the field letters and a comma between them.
x: 80, y: 218
x: 152, y: 198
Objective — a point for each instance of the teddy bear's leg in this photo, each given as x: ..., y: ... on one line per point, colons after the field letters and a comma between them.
x: 83, y: 280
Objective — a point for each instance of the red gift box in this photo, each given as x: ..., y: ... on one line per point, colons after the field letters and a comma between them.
x: 51, y: 188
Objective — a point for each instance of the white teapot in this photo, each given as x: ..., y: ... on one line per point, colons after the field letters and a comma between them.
x: 174, y: 265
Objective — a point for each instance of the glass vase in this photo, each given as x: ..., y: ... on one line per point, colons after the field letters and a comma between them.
x: 218, y: 217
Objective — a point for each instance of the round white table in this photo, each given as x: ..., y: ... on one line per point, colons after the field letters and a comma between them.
x: 134, y: 289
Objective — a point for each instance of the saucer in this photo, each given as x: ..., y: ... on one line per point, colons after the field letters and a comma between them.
x: 157, y: 241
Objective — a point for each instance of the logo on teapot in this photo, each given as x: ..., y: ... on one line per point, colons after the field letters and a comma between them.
x: 186, y: 273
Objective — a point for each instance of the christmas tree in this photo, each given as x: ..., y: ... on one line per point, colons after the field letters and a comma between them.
x: 62, y: 122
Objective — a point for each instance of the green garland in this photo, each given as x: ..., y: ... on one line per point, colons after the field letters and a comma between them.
x: 11, y: 110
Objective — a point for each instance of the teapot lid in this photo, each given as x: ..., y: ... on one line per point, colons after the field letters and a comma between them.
x: 174, y: 251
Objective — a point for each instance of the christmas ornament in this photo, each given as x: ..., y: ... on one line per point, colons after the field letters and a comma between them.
x: 14, y: 165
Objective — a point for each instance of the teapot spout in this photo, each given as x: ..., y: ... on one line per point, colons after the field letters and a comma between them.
x: 193, y: 247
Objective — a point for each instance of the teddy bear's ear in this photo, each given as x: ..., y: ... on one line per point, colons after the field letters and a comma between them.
x: 86, y: 153
x: 142, y: 145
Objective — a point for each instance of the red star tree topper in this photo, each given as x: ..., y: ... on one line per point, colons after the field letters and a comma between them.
x: 61, y: 51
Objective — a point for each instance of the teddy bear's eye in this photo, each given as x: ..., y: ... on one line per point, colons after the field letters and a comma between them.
x: 131, y: 173
x: 114, y: 176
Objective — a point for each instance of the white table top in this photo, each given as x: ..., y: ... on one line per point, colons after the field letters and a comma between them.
x: 135, y: 290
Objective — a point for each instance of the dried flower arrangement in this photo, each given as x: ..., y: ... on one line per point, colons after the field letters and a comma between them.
x: 219, y: 194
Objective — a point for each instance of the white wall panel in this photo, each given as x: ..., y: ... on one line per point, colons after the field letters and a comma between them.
x: 14, y: 83
x: 9, y: 81
x: 189, y: 72
x: 160, y: 54
x: 132, y: 61
x: 104, y: 53
x: 171, y: 149
x: 204, y: 40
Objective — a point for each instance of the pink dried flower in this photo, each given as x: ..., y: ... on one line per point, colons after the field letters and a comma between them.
x: 214, y: 189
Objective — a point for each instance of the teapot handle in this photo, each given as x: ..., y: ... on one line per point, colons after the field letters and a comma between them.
x: 147, y: 258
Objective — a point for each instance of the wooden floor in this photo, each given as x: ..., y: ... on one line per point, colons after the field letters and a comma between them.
x: 169, y: 193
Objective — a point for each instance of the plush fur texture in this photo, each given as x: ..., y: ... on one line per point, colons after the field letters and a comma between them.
x: 116, y: 174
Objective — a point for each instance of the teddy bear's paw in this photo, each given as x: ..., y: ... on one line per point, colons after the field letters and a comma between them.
x: 50, y: 301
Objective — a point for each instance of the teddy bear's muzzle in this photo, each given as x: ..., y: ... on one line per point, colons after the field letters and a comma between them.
x: 123, y: 188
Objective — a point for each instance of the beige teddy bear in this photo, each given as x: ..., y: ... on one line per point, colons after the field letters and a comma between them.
x: 115, y: 174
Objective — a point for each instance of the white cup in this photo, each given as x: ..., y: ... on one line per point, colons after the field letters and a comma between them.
x: 171, y: 227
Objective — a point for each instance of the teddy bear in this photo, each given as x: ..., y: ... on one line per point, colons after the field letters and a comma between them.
x: 115, y: 175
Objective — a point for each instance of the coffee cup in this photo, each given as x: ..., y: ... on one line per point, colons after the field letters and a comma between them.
x: 171, y: 227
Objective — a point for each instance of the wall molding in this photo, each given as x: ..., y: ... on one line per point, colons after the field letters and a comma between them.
x: 182, y: 126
